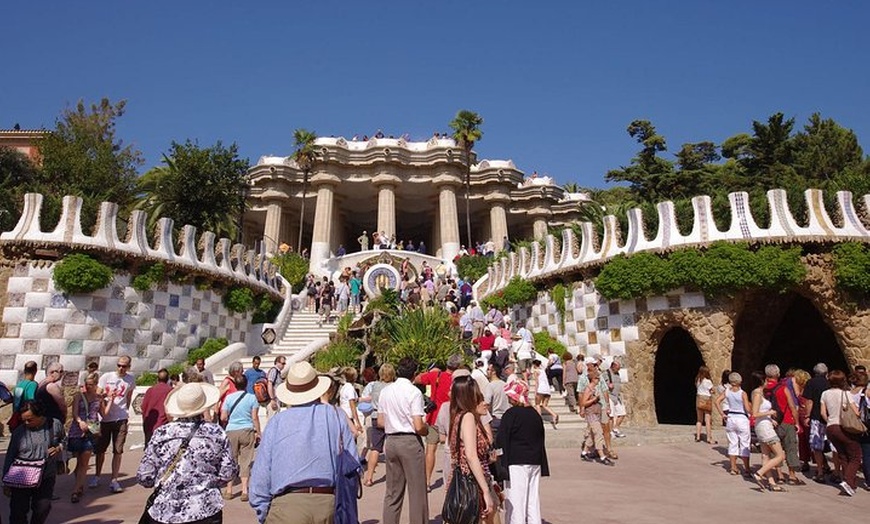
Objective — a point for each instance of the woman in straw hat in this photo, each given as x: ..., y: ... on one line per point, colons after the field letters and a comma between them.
x: 293, y: 476
x: 205, y: 464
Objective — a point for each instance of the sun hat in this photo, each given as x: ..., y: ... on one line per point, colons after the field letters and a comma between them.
x: 303, y: 385
x: 461, y: 372
x: 518, y: 392
x: 590, y: 360
x: 191, y: 399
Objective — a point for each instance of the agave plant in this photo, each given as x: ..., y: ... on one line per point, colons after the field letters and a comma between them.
x: 427, y: 335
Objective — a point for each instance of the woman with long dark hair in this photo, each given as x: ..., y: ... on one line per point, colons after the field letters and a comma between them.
x: 472, y: 452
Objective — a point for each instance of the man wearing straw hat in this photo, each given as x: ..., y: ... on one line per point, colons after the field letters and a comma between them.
x: 293, y: 480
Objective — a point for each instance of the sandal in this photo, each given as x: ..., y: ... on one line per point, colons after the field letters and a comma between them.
x: 760, y: 481
x: 75, y: 497
x: 796, y: 482
x: 776, y: 487
x: 734, y: 472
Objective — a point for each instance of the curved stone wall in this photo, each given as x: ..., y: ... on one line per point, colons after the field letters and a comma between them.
x: 783, y: 228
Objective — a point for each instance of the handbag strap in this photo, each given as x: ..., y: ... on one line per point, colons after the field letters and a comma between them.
x: 177, y: 458
x: 236, y: 403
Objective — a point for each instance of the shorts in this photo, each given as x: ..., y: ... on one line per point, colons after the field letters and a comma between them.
x: 766, y: 433
x: 617, y: 409
x: 788, y: 436
x: 817, y: 435
x: 243, y: 447
x: 376, y: 438
x: 79, y: 444
x: 116, y: 432
x: 524, y: 364
x: 432, y: 438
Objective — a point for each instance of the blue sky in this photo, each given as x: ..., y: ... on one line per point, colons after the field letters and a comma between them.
x: 556, y: 82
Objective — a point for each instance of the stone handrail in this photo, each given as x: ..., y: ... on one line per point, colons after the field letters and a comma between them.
x: 235, y: 263
x: 543, y: 261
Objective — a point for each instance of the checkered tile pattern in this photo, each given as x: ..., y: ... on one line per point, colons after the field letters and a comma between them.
x: 155, y: 328
x: 594, y: 325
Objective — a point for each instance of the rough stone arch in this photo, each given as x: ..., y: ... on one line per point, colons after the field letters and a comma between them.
x: 712, y: 329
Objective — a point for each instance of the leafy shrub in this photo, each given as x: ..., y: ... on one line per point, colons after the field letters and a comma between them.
x: 293, y: 268
x: 427, y: 335
x: 544, y: 343
x: 79, y: 273
x: 338, y: 354
x: 239, y: 299
x: 149, y: 276
x: 472, y: 267
x: 267, y: 309
x: 519, y: 291
x: 559, y: 294
x: 852, y: 267
x: 724, y: 268
x: 207, y: 349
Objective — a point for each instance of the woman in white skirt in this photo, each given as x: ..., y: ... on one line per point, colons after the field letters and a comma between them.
x: 772, y: 454
x: 736, y: 422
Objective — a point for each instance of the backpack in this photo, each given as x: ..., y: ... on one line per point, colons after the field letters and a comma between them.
x: 261, y: 390
x: 770, y: 395
x: 501, y: 357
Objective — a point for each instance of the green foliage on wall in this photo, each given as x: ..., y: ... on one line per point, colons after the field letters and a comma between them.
x: 472, y: 267
x: 239, y: 299
x: 544, y: 343
x: 266, y: 309
x: 341, y: 353
x: 207, y: 349
x: 517, y: 291
x: 79, y: 273
x: 149, y: 276
x: 852, y: 267
x: 559, y: 294
x: 724, y: 268
x: 293, y: 268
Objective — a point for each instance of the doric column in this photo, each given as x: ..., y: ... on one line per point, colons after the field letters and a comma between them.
x: 540, y: 227
x: 323, y: 214
x: 386, y: 184
x: 448, y: 222
x: 272, y: 229
x: 498, y: 224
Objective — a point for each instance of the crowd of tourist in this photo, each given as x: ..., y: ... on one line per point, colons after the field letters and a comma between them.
x: 795, y: 420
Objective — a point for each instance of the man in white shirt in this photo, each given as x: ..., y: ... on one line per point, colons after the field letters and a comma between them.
x: 117, y: 387
x: 400, y: 412
x: 478, y: 319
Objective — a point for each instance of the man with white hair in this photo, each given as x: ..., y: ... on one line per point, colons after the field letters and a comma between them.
x: 815, y: 425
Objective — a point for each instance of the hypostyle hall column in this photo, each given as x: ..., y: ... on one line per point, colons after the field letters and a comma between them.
x: 447, y: 215
x: 272, y: 229
x: 323, y: 214
x: 386, y: 184
x: 498, y: 224
x: 540, y: 227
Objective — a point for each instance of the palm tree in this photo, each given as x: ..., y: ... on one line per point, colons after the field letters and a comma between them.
x: 572, y: 187
x: 466, y: 131
x: 304, y: 155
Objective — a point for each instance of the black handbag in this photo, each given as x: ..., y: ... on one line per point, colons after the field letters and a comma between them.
x: 462, y: 500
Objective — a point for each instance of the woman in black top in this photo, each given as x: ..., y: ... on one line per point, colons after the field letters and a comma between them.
x: 521, y: 440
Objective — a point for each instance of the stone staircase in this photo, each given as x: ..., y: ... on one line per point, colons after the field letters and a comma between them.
x: 302, y: 329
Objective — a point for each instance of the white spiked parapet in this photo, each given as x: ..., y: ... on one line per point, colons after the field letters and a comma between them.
x: 549, y: 257
x: 248, y: 268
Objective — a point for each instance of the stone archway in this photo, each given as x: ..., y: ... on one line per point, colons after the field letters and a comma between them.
x: 677, y: 361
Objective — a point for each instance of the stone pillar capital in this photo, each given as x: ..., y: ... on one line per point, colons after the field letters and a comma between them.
x: 386, y: 179
x: 446, y: 179
x: 324, y: 179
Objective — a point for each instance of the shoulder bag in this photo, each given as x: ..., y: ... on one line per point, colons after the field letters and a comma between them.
x: 849, y: 421
x: 462, y: 499
x: 429, y: 404
x: 346, y: 474
x: 27, y: 473
x: 146, y: 518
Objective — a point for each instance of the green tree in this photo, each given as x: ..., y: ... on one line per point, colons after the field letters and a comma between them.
x: 824, y: 149
x: 466, y: 131
x: 83, y: 156
x: 304, y: 155
x: 17, y: 173
x: 648, y: 174
x: 771, y: 151
x: 572, y: 187
x: 197, y: 186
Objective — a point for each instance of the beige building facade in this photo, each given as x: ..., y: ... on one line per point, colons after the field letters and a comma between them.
x: 414, y: 191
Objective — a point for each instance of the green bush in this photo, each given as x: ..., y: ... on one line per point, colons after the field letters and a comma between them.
x: 724, y: 268
x: 267, y: 309
x: 149, y: 276
x: 472, y: 267
x: 544, y: 343
x: 519, y: 291
x: 293, y: 268
x: 427, y: 335
x: 559, y: 294
x: 852, y: 267
x: 79, y: 273
x: 239, y: 299
x: 338, y: 354
x: 207, y: 349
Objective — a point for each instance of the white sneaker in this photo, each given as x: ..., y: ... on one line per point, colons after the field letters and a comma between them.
x: 115, y: 487
x: 847, y: 489
x: 94, y: 482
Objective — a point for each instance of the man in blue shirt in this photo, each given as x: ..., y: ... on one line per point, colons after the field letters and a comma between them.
x: 253, y: 374
x: 293, y: 478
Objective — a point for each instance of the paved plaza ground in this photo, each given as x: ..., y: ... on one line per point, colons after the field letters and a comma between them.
x: 669, y: 478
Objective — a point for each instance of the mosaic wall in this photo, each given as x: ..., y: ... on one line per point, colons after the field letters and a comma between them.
x: 597, y: 326
x: 155, y: 328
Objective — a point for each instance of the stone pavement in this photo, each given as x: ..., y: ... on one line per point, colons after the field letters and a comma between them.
x: 668, y: 478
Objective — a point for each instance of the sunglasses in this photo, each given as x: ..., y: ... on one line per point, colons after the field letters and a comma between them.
x: 123, y: 365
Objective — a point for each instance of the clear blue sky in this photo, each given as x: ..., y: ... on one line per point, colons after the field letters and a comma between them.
x: 556, y: 82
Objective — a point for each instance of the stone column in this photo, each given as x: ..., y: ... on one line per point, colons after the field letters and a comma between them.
x: 323, y: 214
x: 498, y: 224
x: 540, y: 227
x: 387, y: 209
x: 448, y: 222
x: 272, y: 229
